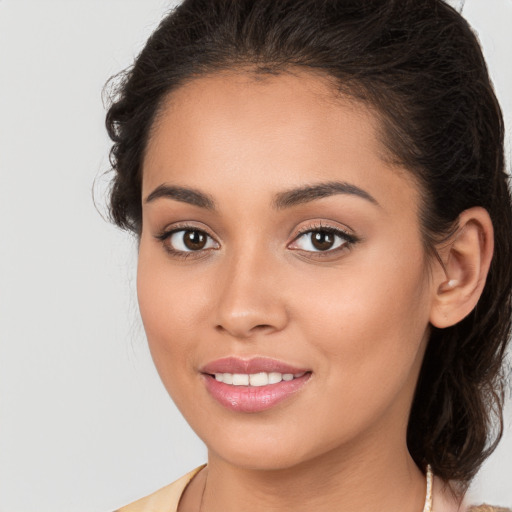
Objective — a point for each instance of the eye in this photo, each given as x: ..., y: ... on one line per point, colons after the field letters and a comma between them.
x: 187, y: 241
x: 323, y: 239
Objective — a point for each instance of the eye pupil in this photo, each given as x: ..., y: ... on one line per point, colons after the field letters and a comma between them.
x: 322, y: 240
x: 194, y: 240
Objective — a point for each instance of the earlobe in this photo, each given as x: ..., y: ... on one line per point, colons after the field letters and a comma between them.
x: 467, y: 257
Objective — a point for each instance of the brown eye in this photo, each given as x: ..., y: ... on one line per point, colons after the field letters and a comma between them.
x: 190, y: 240
x: 322, y: 240
x: 194, y: 240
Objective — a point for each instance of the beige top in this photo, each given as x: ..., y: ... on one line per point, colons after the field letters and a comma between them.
x: 167, y: 498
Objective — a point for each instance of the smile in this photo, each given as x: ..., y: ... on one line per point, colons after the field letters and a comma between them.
x: 253, y: 385
x: 255, y: 379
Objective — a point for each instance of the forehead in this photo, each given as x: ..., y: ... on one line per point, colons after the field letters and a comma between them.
x: 229, y: 129
x: 293, y: 102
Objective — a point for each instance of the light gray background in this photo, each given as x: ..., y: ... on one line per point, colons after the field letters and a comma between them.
x: 85, y: 424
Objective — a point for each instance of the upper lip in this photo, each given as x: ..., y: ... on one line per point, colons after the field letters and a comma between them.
x: 250, y: 366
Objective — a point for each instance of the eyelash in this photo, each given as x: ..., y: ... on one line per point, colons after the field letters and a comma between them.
x: 166, y: 235
x: 348, y: 238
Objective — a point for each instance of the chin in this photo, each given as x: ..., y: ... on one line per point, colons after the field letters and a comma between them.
x: 259, y: 458
x: 264, y: 449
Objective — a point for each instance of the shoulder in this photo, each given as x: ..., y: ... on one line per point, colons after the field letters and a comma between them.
x: 165, y: 499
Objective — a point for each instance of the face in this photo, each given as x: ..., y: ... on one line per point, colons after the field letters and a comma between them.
x: 282, y: 278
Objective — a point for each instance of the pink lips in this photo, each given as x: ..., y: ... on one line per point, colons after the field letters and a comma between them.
x: 254, y: 365
x: 248, y: 398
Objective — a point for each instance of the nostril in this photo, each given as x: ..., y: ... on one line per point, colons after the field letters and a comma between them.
x: 246, y: 331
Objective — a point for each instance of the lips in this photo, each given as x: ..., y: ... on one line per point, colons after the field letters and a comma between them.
x: 248, y: 366
x: 252, y: 385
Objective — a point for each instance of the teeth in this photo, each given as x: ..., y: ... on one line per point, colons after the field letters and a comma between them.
x: 255, y: 379
x: 258, y: 379
x: 240, y: 379
x: 274, y: 378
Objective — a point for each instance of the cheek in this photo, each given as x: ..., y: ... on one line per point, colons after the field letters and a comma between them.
x: 171, y: 303
x: 370, y: 319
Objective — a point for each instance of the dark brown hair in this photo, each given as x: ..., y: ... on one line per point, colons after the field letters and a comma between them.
x: 419, y: 65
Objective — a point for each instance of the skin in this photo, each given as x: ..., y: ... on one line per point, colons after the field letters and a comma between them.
x: 357, y: 317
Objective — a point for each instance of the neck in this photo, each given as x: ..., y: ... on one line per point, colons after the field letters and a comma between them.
x: 336, y: 481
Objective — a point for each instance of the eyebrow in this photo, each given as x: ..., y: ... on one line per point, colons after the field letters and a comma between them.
x: 318, y: 191
x: 281, y: 201
x: 182, y: 194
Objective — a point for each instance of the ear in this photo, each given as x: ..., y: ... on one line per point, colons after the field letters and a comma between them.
x: 467, y: 258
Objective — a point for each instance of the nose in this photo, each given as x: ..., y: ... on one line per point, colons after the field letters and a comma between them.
x: 250, y: 298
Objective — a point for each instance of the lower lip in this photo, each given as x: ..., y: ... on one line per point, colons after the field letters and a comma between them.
x: 253, y: 398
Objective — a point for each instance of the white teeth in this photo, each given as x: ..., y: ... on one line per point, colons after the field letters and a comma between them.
x: 258, y: 379
x: 255, y: 379
x: 240, y: 379
x: 274, y: 378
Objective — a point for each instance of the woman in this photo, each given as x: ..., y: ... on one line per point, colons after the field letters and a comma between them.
x: 319, y: 195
